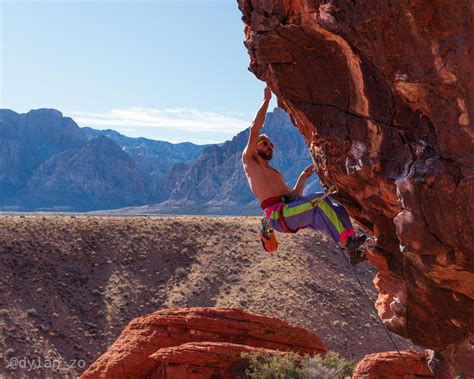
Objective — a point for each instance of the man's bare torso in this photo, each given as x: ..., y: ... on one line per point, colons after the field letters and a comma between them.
x: 264, y: 180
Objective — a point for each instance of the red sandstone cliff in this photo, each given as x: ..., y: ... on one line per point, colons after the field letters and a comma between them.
x: 382, y: 93
x: 197, y: 342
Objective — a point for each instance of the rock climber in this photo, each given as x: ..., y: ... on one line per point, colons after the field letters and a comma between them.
x: 285, y: 209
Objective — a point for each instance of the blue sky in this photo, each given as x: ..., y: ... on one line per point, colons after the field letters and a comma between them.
x: 170, y: 70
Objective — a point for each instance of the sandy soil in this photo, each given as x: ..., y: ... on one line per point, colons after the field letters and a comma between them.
x: 69, y: 285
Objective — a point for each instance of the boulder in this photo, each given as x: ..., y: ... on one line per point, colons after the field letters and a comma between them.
x: 390, y: 365
x: 154, y: 339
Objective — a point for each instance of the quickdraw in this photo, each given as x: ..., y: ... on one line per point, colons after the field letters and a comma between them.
x: 331, y: 191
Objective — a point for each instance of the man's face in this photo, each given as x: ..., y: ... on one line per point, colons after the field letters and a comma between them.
x: 265, y: 149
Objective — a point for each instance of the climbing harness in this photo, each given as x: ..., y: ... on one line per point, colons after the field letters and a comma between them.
x: 372, y: 305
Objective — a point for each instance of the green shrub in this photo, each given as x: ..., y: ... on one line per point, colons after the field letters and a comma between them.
x: 261, y: 365
x: 271, y: 366
x: 328, y: 367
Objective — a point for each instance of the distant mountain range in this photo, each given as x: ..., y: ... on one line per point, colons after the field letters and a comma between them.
x: 215, y: 183
x: 49, y: 163
x: 151, y: 156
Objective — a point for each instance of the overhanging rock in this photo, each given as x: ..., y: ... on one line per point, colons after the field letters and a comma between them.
x: 382, y: 93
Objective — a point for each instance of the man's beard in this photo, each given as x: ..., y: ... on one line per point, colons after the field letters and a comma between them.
x: 267, y: 156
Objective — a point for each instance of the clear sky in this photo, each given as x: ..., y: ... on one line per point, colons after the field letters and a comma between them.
x: 173, y: 70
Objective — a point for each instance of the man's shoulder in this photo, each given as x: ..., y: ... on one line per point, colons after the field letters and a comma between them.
x: 252, y: 166
x: 249, y: 158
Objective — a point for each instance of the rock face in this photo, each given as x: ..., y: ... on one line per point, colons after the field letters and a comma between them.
x: 98, y: 175
x: 382, y: 92
x: 151, y: 156
x: 27, y: 140
x: 48, y: 163
x: 390, y: 365
x: 175, y: 341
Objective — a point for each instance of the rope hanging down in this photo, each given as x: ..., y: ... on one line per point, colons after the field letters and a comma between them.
x: 333, y: 189
x: 362, y: 287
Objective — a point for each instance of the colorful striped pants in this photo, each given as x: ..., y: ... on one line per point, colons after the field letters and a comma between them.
x: 301, y: 213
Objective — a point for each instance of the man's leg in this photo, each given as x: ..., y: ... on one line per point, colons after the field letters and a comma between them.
x: 348, y: 237
x: 341, y: 213
x: 323, y: 216
x: 327, y: 216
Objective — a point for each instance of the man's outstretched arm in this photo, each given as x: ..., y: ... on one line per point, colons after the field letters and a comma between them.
x: 257, y: 126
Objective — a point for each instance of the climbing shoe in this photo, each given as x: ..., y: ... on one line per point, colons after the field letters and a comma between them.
x: 354, y: 243
x: 356, y: 255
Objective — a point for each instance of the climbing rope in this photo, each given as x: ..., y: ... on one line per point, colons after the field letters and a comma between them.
x: 365, y: 292
x: 329, y: 192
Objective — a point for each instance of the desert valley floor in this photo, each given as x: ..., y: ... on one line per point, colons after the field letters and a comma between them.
x: 70, y: 284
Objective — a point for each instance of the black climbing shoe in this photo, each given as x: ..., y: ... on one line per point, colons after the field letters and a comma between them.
x: 356, y: 255
x: 354, y: 243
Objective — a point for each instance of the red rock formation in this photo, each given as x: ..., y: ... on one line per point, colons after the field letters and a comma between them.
x: 390, y: 365
x: 382, y: 93
x: 202, y: 360
x: 148, y: 341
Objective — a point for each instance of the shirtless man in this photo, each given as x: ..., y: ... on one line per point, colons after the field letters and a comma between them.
x: 286, y: 210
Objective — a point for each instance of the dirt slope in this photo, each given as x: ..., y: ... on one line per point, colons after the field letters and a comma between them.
x: 69, y: 285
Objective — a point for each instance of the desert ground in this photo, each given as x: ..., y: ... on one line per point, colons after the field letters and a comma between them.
x: 69, y: 284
